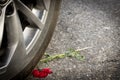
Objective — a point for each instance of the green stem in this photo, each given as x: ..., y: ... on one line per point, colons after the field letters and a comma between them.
x: 51, y: 58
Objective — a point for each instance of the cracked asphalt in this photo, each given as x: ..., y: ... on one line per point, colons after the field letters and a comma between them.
x: 86, y: 23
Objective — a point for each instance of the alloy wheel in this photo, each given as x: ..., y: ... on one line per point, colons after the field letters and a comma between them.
x: 22, y: 30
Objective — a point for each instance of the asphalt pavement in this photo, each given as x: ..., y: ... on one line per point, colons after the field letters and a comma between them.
x: 81, y: 24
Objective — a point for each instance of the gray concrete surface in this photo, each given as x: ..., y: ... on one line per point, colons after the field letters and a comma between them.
x: 87, y: 23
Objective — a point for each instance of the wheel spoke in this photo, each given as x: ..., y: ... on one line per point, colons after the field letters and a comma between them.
x: 2, y: 18
x: 28, y: 13
x: 14, y: 35
x: 46, y: 4
x: 2, y: 21
x: 43, y: 4
x: 14, y: 28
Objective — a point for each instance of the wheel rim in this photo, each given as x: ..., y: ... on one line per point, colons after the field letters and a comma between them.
x: 21, y: 24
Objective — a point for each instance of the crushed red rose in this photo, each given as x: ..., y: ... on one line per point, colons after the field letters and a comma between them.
x: 43, y: 73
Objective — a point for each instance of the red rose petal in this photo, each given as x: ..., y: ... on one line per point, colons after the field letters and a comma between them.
x: 47, y: 70
x: 35, y: 73
x: 43, y: 75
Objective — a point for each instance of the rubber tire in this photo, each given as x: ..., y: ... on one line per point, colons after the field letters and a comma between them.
x: 48, y: 32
